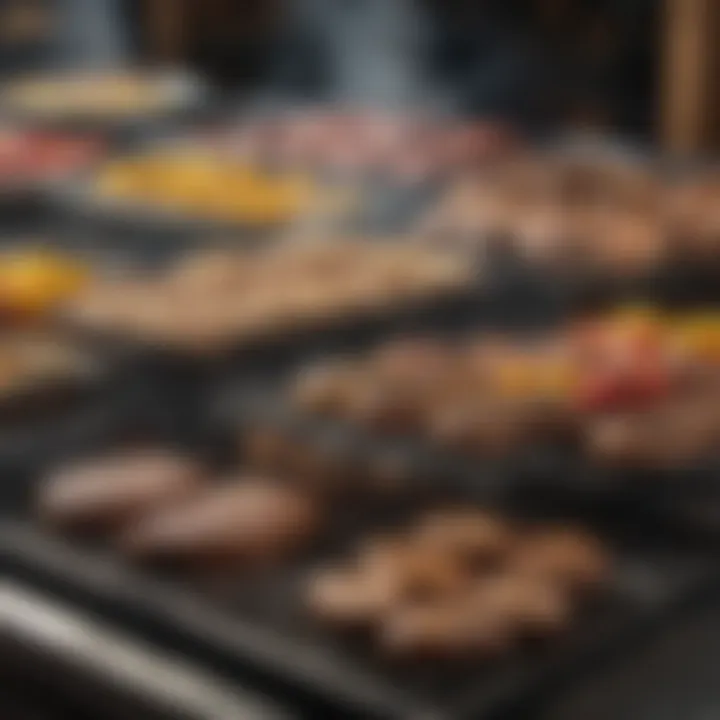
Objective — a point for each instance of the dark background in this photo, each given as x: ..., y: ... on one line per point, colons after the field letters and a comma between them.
x: 574, y: 62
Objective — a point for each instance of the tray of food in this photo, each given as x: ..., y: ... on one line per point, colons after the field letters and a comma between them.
x: 434, y: 606
x: 197, y: 188
x: 381, y: 147
x: 192, y: 184
x: 624, y: 401
x: 589, y: 220
x: 179, y: 323
x: 112, y: 99
x: 209, y: 304
x: 268, y: 170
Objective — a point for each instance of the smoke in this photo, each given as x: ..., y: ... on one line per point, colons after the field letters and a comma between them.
x: 377, y: 51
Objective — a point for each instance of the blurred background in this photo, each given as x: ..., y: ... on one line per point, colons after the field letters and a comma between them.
x: 359, y: 359
x: 598, y: 64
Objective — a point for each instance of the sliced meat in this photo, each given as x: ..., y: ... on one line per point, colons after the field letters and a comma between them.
x: 247, y: 521
x: 103, y: 494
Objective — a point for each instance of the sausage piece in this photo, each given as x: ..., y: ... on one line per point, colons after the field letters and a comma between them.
x: 103, y: 494
x: 250, y: 520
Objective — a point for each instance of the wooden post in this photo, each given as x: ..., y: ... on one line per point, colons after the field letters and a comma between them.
x: 166, y: 24
x: 688, y: 57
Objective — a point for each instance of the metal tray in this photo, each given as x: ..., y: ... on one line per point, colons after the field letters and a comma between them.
x: 81, y: 197
x: 676, y: 283
x: 255, y: 624
x: 252, y: 406
x: 686, y: 499
x: 188, y: 380
x: 187, y: 385
x: 90, y: 665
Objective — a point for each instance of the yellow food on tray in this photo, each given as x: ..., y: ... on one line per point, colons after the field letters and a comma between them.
x: 535, y: 377
x: 694, y: 335
x: 206, y: 186
x: 698, y: 335
x: 33, y: 282
x: 97, y: 95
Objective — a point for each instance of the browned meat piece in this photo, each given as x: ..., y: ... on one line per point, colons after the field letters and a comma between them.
x: 323, y: 466
x: 387, y: 573
x: 536, y: 607
x: 413, y: 361
x: 417, y: 573
x: 490, y: 427
x: 105, y: 493
x: 629, y: 440
x: 512, y: 394
x: 327, y: 389
x: 591, y: 238
x: 265, y: 449
x: 419, y: 596
x: 208, y: 271
x: 248, y: 521
x: 362, y: 593
x: 692, y: 216
x: 610, y: 184
x: 544, y: 232
x: 349, y: 600
x: 478, y: 538
x: 529, y: 181
x: 679, y: 433
x: 473, y: 211
x: 389, y: 472
x: 486, y: 622
x: 626, y: 243
x: 483, y: 357
x: 384, y: 408
x: 450, y: 630
x: 401, y: 380
x: 570, y: 558
x: 318, y: 466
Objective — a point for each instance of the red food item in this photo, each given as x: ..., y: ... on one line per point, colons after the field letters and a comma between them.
x: 34, y: 155
x: 609, y: 343
x: 625, y: 388
x: 304, y: 141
